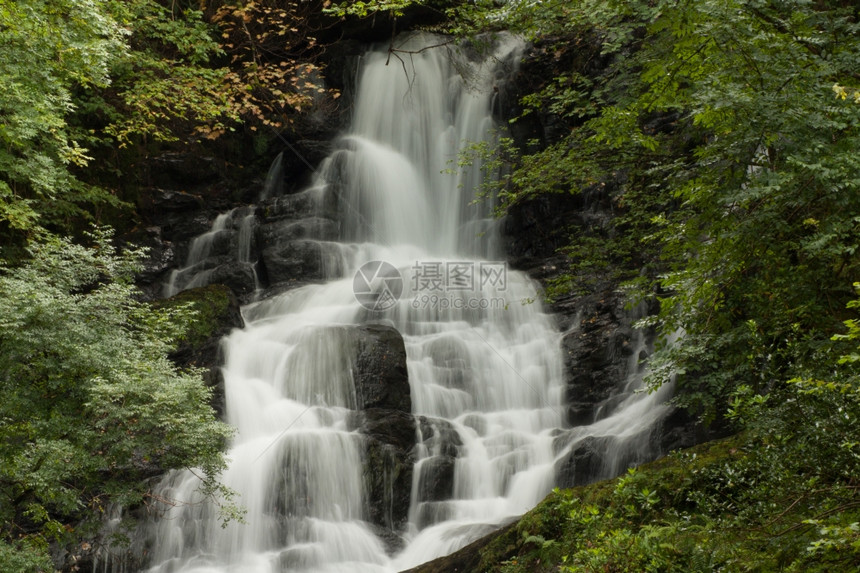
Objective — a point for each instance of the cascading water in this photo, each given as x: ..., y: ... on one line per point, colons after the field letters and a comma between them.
x: 484, y: 363
x: 273, y: 186
x: 228, y: 242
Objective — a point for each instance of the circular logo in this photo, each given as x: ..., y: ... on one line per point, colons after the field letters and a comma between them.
x: 377, y: 285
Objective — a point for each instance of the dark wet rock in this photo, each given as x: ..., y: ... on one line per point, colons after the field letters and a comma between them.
x: 183, y: 168
x: 383, y: 416
x: 381, y: 379
x: 440, y: 446
x: 316, y: 228
x: 302, y: 205
x: 388, y: 465
x: 238, y: 277
x: 341, y: 61
x: 583, y: 464
x: 295, y: 206
x: 172, y: 200
x: 439, y: 436
x: 223, y: 245
x: 160, y: 259
x: 314, y: 151
x: 293, y: 261
x: 587, y: 461
x: 534, y: 231
x: 392, y: 427
x: 596, y: 351
x: 180, y: 228
x: 436, y: 482
x: 679, y: 429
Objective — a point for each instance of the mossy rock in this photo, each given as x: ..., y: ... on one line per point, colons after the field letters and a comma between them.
x: 216, y: 313
x: 710, y: 507
x: 537, y: 541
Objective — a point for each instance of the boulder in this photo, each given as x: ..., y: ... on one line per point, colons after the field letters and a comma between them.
x: 293, y: 261
x: 383, y: 416
x: 238, y: 277
x: 388, y: 464
x: 441, y: 445
x: 596, y: 352
x: 381, y: 379
x: 594, y: 458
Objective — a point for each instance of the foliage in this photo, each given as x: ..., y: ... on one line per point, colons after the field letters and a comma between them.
x: 765, y: 243
x: 363, y: 9
x: 164, y: 78
x: 273, y: 75
x: 49, y: 46
x: 730, y: 505
x: 89, y: 90
x: 782, y: 495
x: 211, y: 306
x: 724, y: 135
x: 78, y: 77
x: 92, y: 406
x: 111, y: 80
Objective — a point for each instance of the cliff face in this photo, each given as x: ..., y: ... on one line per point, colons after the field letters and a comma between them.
x: 186, y: 193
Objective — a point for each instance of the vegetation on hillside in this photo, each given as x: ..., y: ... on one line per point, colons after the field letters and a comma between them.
x: 92, y: 407
x: 725, y: 133
x: 90, y: 88
x: 722, y: 506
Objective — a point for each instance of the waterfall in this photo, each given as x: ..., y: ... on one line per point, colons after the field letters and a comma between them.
x: 274, y: 183
x: 196, y: 272
x: 228, y: 243
x: 484, y: 359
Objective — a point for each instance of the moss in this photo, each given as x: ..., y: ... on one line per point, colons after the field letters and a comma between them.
x: 539, y: 540
x: 212, y: 306
x: 715, y: 506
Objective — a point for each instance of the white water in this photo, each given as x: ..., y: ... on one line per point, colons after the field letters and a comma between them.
x: 273, y: 186
x: 229, y: 239
x: 194, y: 273
x: 493, y: 374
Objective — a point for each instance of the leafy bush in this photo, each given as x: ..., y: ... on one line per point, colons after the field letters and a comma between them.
x: 91, y: 405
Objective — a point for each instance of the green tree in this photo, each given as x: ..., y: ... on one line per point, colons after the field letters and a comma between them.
x: 726, y: 134
x: 764, y: 246
x: 49, y: 46
x: 80, y: 79
x: 92, y: 406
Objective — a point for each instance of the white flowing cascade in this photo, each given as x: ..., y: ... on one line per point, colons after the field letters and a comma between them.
x: 493, y: 373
